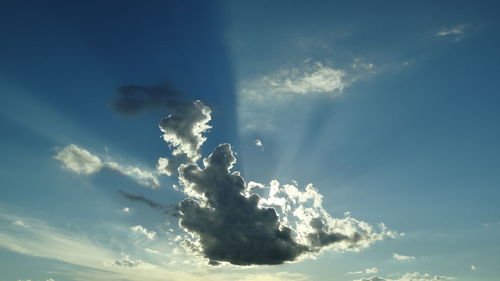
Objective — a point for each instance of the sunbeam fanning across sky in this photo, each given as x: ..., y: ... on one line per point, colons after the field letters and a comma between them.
x: 249, y: 140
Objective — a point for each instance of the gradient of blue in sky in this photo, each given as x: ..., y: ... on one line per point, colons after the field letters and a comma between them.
x: 389, y: 108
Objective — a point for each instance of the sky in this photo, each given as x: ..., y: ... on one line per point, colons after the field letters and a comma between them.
x: 249, y: 140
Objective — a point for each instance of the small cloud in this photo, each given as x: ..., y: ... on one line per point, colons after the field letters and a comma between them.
x: 367, y: 271
x: 79, y: 160
x: 20, y: 223
x: 126, y: 210
x: 126, y: 261
x: 402, y: 257
x: 142, y: 230
x: 456, y: 32
x: 415, y: 276
x: 473, y: 267
x: 151, y: 251
x: 258, y: 143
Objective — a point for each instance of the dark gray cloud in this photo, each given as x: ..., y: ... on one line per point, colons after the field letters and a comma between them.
x: 134, y: 99
x: 320, y: 237
x: 229, y: 222
x: 141, y: 199
x: 172, y: 210
x: 232, y: 228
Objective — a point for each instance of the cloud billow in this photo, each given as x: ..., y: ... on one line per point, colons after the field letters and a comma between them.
x: 183, y: 130
x: 227, y: 219
x: 232, y: 227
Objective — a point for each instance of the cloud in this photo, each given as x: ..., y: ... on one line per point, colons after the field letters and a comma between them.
x: 402, y: 257
x: 126, y: 210
x: 81, y: 161
x: 456, y: 32
x: 20, y: 223
x: 142, y: 177
x: 183, y: 130
x: 230, y: 226
x: 258, y: 143
x: 228, y: 222
x: 126, y: 261
x: 473, y: 267
x: 415, y: 276
x: 269, y: 96
x: 95, y: 261
x: 142, y: 230
x: 134, y: 99
x: 151, y: 251
x: 318, y: 79
x: 367, y: 271
x: 171, y: 210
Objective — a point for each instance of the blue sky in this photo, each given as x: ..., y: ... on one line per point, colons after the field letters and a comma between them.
x: 390, y: 110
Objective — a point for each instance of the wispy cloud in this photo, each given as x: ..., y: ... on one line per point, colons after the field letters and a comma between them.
x: 367, y: 271
x: 402, y: 257
x: 126, y: 261
x: 456, y: 32
x: 81, y: 161
x: 100, y: 262
x: 316, y: 79
x: 261, y: 98
x: 473, y: 267
x: 415, y: 276
x: 20, y: 223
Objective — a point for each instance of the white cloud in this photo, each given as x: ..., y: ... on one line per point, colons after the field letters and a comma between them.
x: 126, y: 210
x: 50, y: 279
x: 81, y: 161
x: 457, y: 32
x: 142, y: 177
x: 258, y: 143
x: 402, y: 257
x: 415, y: 276
x: 459, y: 29
x: 142, y: 230
x: 367, y: 271
x: 473, y: 267
x: 301, y: 208
x: 126, y: 261
x: 151, y: 251
x: 317, y: 79
x: 183, y: 130
x: 262, y: 99
x: 44, y: 241
x: 20, y: 223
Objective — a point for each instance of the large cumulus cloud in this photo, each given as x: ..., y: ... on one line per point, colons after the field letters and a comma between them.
x: 230, y: 220
x: 230, y: 226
